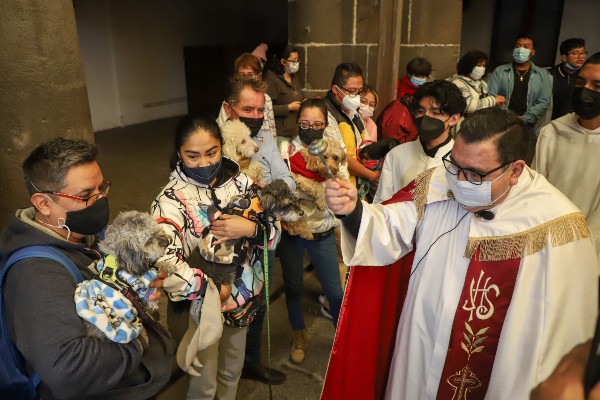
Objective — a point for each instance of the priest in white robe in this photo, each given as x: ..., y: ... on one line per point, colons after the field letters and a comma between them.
x: 568, y: 149
x: 439, y: 107
x: 501, y: 279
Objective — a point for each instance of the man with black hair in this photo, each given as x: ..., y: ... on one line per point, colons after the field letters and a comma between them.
x: 438, y: 108
x: 567, y: 150
x: 68, y: 195
x: 396, y: 121
x: 417, y: 72
x: 343, y: 119
x: 564, y: 75
x: 526, y: 87
x: 463, y: 284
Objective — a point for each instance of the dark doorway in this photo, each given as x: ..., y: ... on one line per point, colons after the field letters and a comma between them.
x: 539, y: 18
x: 209, y: 66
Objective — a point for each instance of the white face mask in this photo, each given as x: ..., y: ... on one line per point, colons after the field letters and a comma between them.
x: 471, y: 195
x: 350, y: 103
x: 477, y: 72
x: 366, y: 111
x: 293, y: 68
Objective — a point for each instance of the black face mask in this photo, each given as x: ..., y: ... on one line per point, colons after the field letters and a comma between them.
x: 89, y: 220
x: 203, y: 175
x: 429, y: 128
x: 310, y: 134
x: 254, y: 124
x: 586, y: 103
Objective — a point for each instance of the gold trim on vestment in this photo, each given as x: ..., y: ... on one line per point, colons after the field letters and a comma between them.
x: 420, y: 191
x: 560, y: 231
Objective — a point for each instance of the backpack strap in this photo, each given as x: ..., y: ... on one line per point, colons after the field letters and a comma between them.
x: 42, y: 252
x: 21, y: 254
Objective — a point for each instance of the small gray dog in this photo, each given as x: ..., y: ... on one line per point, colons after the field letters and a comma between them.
x: 133, y: 243
x: 279, y: 201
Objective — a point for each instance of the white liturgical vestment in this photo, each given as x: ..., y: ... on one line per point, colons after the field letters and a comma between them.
x: 552, y: 304
x: 402, y: 165
x: 568, y: 155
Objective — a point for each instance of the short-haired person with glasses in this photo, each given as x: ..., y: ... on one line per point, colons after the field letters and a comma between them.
x: 564, y: 75
x: 322, y: 249
x: 482, y: 272
x: 343, y: 101
x: 438, y: 107
x: 68, y: 195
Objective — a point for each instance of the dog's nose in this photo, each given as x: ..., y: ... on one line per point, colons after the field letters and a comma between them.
x: 301, y: 212
x: 163, y: 242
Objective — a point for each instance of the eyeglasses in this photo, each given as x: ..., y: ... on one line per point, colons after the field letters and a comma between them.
x: 366, y: 102
x: 578, y: 53
x: 314, y: 125
x: 353, y: 92
x: 474, y: 177
x: 292, y: 61
x: 104, y: 188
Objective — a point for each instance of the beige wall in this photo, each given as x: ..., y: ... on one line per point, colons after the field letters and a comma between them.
x: 42, y: 87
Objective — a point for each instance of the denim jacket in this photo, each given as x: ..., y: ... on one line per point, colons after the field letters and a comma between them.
x: 539, y: 91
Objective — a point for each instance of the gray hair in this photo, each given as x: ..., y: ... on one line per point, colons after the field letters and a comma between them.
x: 46, y: 167
x: 239, y: 82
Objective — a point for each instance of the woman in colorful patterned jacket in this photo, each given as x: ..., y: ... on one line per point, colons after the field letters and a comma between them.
x: 207, y: 198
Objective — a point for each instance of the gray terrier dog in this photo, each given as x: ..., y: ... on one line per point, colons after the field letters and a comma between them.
x: 133, y: 243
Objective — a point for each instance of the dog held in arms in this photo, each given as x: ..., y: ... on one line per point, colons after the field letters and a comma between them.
x: 114, y: 304
x: 334, y: 156
x: 221, y: 262
x: 239, y: 146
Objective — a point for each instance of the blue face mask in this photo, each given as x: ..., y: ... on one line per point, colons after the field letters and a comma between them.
x: 521, y: 55
x: 570, y: 67
x: 203, y: 175
x: 417, y: 81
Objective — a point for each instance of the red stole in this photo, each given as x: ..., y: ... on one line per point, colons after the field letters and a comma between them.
x: 478, y: 322
x: 298, y: 166
x: 366, y: 334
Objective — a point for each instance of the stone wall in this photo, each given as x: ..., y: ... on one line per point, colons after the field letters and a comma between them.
x: 432, y: 29
x: 329, y: 32
x: 42, y: 88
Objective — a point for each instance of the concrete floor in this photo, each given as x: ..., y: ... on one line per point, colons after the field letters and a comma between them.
x: 136, y: 160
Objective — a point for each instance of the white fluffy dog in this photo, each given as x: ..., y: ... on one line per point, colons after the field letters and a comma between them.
x: 239, y: 146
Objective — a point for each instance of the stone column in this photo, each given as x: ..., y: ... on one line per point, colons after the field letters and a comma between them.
x: 431, y: 29
x: 42, y: 87
x: 328, y: 33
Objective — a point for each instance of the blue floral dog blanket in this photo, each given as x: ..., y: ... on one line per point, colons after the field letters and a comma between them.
x: 107, y: 308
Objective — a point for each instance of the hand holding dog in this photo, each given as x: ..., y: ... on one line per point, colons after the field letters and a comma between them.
x: 229, y: 227
x: 340, y: 196
x: 157, y: 283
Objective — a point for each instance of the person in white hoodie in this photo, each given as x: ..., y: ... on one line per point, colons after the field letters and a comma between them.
x: 438, y: 107
x: 568, y: 147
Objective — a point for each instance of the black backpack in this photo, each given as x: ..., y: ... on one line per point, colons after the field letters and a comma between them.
x: 14, y: 381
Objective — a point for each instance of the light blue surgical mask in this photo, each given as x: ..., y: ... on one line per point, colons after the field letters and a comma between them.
x: 570, y: 67
x: 521, y: 55
x: 417, y: 81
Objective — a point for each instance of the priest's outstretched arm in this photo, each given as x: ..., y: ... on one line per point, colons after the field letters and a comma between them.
x: 372, y: 234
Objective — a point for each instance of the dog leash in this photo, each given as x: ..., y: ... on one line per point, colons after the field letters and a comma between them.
x: 266, y: 272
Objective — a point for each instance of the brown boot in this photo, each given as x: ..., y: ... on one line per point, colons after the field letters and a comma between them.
x: 298, y: 347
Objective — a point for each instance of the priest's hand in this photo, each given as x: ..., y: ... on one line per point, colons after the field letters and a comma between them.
x: 566, y: 382
x: 340, y: 196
